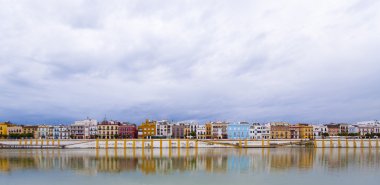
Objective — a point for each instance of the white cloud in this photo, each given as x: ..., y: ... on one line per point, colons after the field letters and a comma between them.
x: 206, y: 60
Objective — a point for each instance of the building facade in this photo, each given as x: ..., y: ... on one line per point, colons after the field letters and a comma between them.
x: 164, y: 129
x: 201, y: 132
x: 14, y: 130
x: 301, y: 131
x: 367, y: 128
x: 280, y: 130
x: 208, y: 130
x: 108, y: 130
x: 257, y: 131
x: 333, y: 129
x: 61, y: 132
x: 179, y: 131
x: 343, y: 128
x: 238, y: 130
x: 353, y: 129
x: 44, y: 132
x: 31, y: 131
x: 127, y: 131
x: 216, y: 130
x: 190, y: 130
x: 84, y: 129
x: 319, y: 131
x: 4, y: 129
x: 147, y: 129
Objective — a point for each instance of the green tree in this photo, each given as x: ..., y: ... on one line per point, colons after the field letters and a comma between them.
x: 353, y: 134
x: 343, y: 134
x: 193, y: 134
x: 14, y: 136
x: 29, y: 135
x: 325, y: 134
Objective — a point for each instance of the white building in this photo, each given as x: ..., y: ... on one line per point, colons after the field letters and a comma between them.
x: 368, y: 127
x: 164, y: 129
x: 353, y: 129
x: 61, y: 132
x: 201, y: 132
x: 44, y: 132
x: 319, y: 130
x: 193, y: 126
x: 84, y: 129
x: 257, y: 131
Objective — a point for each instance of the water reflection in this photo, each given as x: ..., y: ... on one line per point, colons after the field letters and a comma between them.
x: 165, y: 161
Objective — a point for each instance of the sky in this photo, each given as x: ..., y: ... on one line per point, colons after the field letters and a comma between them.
x: 204, y: 60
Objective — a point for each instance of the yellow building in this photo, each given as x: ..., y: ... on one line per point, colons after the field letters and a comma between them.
x: 216, y: 130
x: 301, y: 131
x: 31, y: 130
x: 306, y: 131
x: 108, y: 130
x: 280, y: 130
x: 3, y: 129
x: 187, y: 131
x: 147, y: 129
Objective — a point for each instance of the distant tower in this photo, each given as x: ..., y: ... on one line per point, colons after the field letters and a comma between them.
x: 105, y: 118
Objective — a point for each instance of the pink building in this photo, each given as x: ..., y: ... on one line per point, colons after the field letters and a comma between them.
x: 333, y: 129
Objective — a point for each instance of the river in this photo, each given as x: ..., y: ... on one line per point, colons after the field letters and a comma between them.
x: 221, y: 166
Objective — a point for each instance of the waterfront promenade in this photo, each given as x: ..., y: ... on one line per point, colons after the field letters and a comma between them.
x: 188, y: 143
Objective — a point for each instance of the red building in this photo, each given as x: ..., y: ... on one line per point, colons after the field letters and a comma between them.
x: 128, y: 130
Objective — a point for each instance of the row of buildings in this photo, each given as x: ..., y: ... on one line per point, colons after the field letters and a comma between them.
x: 92, y: 129
x: 84, y: 129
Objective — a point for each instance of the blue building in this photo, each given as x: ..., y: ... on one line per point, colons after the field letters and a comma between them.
x: 238, y: 130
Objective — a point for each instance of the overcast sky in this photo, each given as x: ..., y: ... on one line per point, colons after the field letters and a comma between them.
x: 293, y: 60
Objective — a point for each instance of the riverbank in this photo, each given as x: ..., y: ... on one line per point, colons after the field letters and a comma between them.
x: 186, y: 143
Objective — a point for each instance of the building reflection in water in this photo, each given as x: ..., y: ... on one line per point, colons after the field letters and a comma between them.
x: 166, y: 161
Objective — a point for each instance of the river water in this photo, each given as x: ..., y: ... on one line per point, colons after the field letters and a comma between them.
x: 219, y: 166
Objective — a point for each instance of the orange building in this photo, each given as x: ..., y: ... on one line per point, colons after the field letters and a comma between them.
x: 147, y: 129
x: 301, y: 131
x: 208, y: 130
x: 216, y: 130
x: 4, y: 129
x: 187, y: 131
x: 280, y: 130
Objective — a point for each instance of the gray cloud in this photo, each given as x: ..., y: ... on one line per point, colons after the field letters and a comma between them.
x: 204, y: 60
